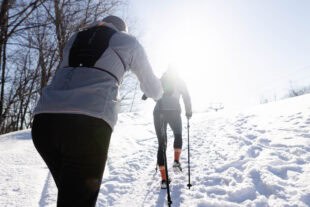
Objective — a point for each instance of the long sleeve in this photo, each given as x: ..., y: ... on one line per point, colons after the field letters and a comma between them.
x: 186, y: 97
x: 140, y: 66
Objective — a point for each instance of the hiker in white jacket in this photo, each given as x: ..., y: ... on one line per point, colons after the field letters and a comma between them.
x: 77, y: 111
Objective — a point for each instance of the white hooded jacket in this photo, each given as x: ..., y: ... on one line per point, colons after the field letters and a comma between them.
x: 83, y: 90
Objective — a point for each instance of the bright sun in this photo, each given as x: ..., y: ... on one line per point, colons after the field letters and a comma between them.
x: 197, y: 54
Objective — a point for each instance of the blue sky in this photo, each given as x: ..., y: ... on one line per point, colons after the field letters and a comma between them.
x: 230, y: 51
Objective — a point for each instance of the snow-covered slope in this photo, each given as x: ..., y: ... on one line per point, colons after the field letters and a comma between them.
x: 258, y: 157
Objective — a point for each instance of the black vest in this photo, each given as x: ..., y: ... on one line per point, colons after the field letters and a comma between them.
x: 89, y: 45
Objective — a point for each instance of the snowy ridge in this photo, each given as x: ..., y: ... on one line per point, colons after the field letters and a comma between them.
x: 258, y: 157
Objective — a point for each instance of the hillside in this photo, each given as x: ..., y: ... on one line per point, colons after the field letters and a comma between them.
x: 257, y: 157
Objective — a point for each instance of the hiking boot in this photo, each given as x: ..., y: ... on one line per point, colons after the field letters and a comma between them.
x: 177, y: 166
x: 164, y: 184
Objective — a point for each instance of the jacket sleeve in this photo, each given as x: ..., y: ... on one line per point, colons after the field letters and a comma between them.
x: 186, y: 97
x: 140, y: 66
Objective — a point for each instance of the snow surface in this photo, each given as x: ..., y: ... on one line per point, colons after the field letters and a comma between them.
x: 258, y: 157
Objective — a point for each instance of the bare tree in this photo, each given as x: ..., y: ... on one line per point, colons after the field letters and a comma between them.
x: 69, y: 16
x: 12, y: 16
x: 295, y: 91
x: 129, y: 92
x: 32, y: 38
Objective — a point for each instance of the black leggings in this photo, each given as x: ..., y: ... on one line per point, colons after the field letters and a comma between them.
x: 74, y: 147
x: 161, y: 120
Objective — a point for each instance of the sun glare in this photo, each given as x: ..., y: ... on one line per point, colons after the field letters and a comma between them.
x: 196, y: 53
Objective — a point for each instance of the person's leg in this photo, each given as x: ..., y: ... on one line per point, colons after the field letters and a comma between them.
x: 46, y: 143
x: 175, y: 122
x: 160, y: 129
x: 75, y: 149
x: 84, y: 153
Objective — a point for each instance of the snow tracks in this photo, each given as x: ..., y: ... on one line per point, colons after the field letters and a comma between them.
x: 249, y: 159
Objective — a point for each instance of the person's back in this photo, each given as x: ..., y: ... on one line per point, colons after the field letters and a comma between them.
x: 77, y: 111
x: 92, y: 88
x: 173, y: 87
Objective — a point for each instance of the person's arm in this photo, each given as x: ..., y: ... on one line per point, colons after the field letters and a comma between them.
x: 149, y: 83
x: 186, y: 99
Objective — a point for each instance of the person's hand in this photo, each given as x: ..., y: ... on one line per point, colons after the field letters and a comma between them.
x: 144, y: 97
x: 188, y: 115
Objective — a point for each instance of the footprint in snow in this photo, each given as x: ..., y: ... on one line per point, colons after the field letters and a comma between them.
x: 251, y: 136
x: 262, y: 187
x: 254, y: 151
x: 213, y: 181
x: 282, y: 156
x: 246, y: 142
x: 294, y: 118
x: 281, y: 171
x: 215, y: 191
x: 239, y: 131
x: 306, y: 199
x: 264, y: 141
x: 261, y: 131
x: 305, y: 135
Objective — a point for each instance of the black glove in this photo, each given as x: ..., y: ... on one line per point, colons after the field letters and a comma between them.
x: 144, y: 97
x: 188, y: 115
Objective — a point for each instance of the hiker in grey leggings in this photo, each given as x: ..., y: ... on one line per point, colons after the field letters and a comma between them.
x: 168, y: 111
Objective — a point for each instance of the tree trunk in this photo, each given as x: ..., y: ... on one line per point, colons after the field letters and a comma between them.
x: 59, y: 28
x: 3, y: 41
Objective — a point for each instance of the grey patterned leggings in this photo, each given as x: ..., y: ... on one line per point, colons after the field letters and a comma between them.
x: 161, y: 120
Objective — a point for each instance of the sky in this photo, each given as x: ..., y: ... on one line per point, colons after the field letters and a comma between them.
x: 236, y: 52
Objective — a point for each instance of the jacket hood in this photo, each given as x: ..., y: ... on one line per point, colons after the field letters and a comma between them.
x: 117, y: 22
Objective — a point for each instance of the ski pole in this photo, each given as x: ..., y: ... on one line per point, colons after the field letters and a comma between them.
x: 189, y: 185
